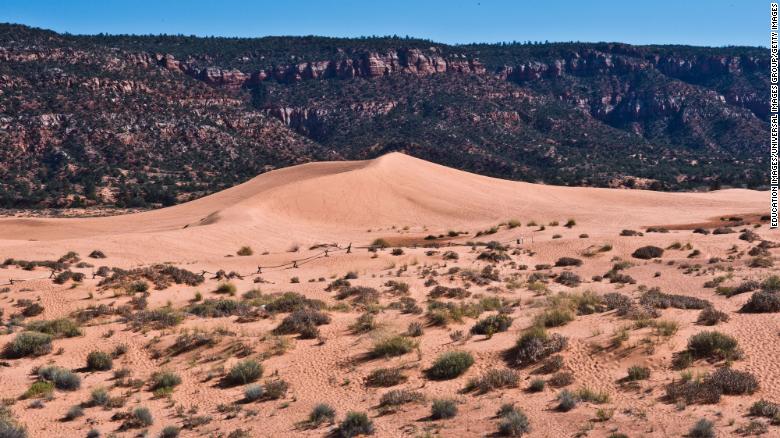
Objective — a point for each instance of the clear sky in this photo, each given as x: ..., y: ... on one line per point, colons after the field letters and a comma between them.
x: 703, y: 23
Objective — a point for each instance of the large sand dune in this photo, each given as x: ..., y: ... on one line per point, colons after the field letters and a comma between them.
x: 283, y: 214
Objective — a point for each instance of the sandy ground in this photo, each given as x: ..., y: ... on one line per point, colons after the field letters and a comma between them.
x: 402, y: 200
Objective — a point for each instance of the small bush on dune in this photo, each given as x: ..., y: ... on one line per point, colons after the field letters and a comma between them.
x: 493, y: 379
x: 299, y: 320
x: 568, y: 261
x: 276, y: 389
x: 59, y: 328
x: 226, y: 288
x: 40, y: 388
x: 28, y: 343
x: 702, y: 429
x: 711, y: 316
x: 245, y: 251
x: 385, y: 377
x: 561, y: 379
x: 443, y: 408
x: 450, y: 365
x: 762, y: 302
x: 492, y: 324
x: 713, y: 345
x: 169, y: 432
x: 648, y: 252
x: 398, y: 397
x: 555, y: 317
x: 537, y: 385
x: 244, y: 372
x: 637, y: 372
x: 253, y: 392
x: 733, y: 382
x: 393, y: 346
x: 566, y: 401
x: 513, y: 422
x: 764, y: 408
x: 322, y: 413
x: 355, y: 423
x: 568, y: 278
x: 534, y: 345
x: 164, y: 380
x: 63, y: 379
x: 99, y: 361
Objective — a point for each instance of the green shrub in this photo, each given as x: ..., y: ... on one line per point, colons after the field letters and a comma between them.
x: 58, y: 328
x: 253, y: 392
x: 392, y: 346
x: 243, y: 372
x: 534, y: 345
x: 322, y: 413
x: 99, y: 361
x: 536, y: 385
x: 492, y: 324
x: 355, y: 423
x: 713, y: 345
x: 443, y: 408
x: 702, y: 429
x: 385, y: 377
x: 226, y: 288
x: 450, y: 365
x: 164, y: 380
x: 28, y: 343
x: 140, y: 417
x: 554, y: 317
x: 566, y: 401
x: 98, y: 397
x: 637, y: 372
x: 40, y: 388
x: 63, y: 379
x: 493, y: 379
x: 513, y: 422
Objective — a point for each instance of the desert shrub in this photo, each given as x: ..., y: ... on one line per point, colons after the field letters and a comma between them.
x: 762, y: 302
x: 449, y: 292
x: 733, y: 382
x: 354, y: 424
x: 534, y: 345
x: 253, y: 392
x: 58, y: 328
x: 164, y: 380
x: 771, y: 284
x: 392, y: 346
x: 28, y: 343
x: 380, y: 243
x: 630, y: 233
x: 74, y: 412
x: 226, y: 288
x: 62, y: 378
x: 648, y: 252
x: 243, y: 372
x: 637, y: 372
x: 537, y: 385
x: 714, y: 345
x: 656, y: 298
x: 555, y: 317
x: 764, y: 408
x: 761, y: 262
x: 398, y: 397
x: 443, y: 408
x: 32, y: 309
x: 289, y: 302
x: 703, y: 391
x: 450, y: 255
x: 450, y: 365
x: 550, y: 365
x: 492, y: 324
x: 513, y: 422
x: 568, y: 261
x: 322, y: 413
x: 493, y: 379
x: 301, y: 319
x: 9, y: 428
x: 139, y: 417
x: 364, y: 324
x: 156, y: 318
x: 98, y: 397
x: 568, y: 278
x: 359, y: 294
x: 245, y: 251
x: 99, y: 361
x: 723, y: 230
x: 588, y: 395
x: 97, y: 254
x: 415, y: 329
x: 219, y: 308
x: 561, y: 379
x: 385, y: 377
x: 276, y: 389
x: 189, y: 341
x: 711, y: 316
x: 615, y: 300
x: 567, y: 401
x: 169, y: 432
x: 702, y: 429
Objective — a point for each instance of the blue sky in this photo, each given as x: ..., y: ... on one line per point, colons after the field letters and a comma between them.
x: 703, y: 23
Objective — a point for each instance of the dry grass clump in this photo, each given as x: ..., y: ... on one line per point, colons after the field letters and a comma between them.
x: 302, y: 321
x: 655, y: 298
x: 161, y: 318
x: 398, y: 397
x: 28, y: 343
x: 637, y: 372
